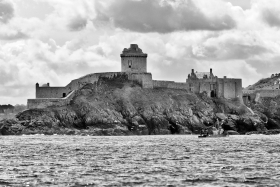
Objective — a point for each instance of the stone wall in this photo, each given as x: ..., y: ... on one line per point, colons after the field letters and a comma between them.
x: 58, y: 92
x: 51, y: 92
x: 161, y: 84
x: 255, y: 95
x: 248, y: 92
x: 230, y: 88
x: 202, y: 85
x: 145, y: 79
x: 170, y: 84
x: 134, y: 64
x: 46, y: 102
x: 268, y: 93
x: 91, y: 78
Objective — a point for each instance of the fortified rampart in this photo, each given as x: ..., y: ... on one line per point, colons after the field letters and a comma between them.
x: 170, y: 84
x: 50, y: 92
x: 255, y: 95
x: 268, y: 93
x: 47, y: 102
x: 262, y: 93
x: 134, y: 66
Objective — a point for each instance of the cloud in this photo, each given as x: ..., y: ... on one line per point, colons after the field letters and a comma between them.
x: 77, y: 23
x: 6, y: 11
x: 12, y: 35
x: 70, y: 15
x: 266, y: 66
x: 231, y: 46
x: 266, y: 11
x: 162, y: 16
x: 271, y: 17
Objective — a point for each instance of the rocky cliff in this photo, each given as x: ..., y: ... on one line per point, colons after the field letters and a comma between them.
x: 118, y: 106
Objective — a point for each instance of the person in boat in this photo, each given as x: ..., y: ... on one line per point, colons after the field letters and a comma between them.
x: 214, y: 130
x: 204, y: 132
x: 217, y: 124
x: 220, y: 128
x: 207, y: 132
x: 201, y: 132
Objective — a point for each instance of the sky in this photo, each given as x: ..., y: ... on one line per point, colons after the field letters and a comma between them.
x: 56, y: 41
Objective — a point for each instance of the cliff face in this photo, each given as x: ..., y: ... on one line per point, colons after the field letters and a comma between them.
x: 269, y: 110
x: 121, y: 107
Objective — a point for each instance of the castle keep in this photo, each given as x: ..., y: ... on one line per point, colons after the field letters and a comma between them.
x: 134, y: 65
x: 134, y: 60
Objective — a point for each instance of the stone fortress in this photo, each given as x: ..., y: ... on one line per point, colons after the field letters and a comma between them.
x: 134, y: 65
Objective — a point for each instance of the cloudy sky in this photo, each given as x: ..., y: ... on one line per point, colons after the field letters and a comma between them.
x: 56, y: 41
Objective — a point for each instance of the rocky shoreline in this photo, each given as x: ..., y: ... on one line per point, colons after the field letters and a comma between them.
x: 115, y: 107
x: 15, y: 127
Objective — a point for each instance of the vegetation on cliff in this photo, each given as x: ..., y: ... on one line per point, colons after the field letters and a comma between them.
x: 118, y: 106
x: 266, y: 83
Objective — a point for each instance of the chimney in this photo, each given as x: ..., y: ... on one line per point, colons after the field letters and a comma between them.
x: 48, y: 84
x: 210, y: 70
x: 225, y: 77
x: 37, y: 85
x: 192, y: 71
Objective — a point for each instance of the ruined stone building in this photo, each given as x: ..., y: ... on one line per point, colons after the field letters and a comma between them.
x: 134, y: 65
x: 199, y: 82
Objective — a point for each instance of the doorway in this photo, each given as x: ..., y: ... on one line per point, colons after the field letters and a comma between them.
x: 213, y: 93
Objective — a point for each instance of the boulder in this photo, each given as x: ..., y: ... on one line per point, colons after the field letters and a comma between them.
x: 233, y: 117
x: 221, y: 116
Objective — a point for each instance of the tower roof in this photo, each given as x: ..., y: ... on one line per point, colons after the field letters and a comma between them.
x: 134, y: 50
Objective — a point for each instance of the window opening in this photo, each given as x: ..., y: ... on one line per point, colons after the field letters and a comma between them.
x: 129, y: 63
x: 213, y: 94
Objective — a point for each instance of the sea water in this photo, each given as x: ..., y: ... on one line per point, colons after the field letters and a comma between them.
x: 180, y: 160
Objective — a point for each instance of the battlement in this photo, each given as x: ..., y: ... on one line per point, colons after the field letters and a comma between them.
x: 133, y: 51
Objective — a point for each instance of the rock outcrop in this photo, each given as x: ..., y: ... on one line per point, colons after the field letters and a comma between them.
x: 118, y: 106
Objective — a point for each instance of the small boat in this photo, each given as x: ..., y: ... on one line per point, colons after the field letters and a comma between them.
x: 212, y: 136
x: 203, y: 136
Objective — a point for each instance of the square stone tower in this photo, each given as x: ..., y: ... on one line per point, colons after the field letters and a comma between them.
x: 134, y: 60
